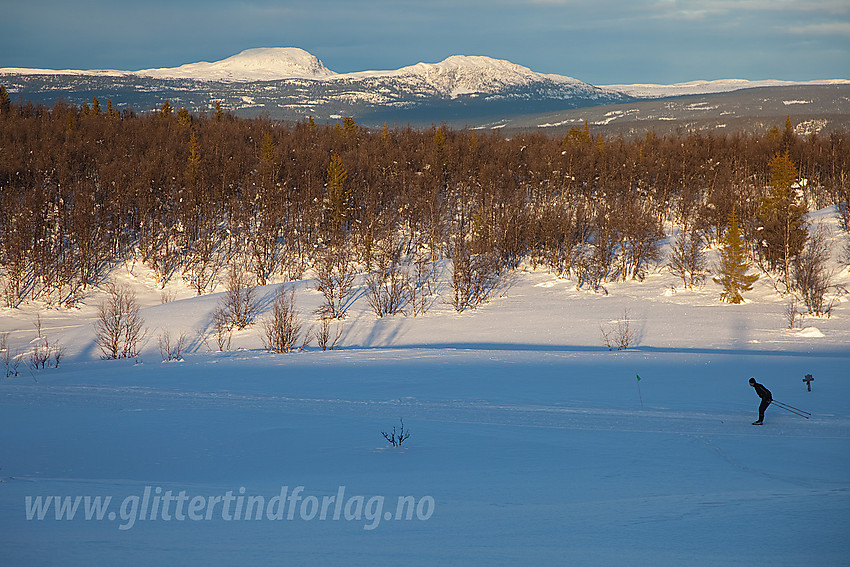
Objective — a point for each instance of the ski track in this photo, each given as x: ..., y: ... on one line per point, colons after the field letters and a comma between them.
x: 478, y: 412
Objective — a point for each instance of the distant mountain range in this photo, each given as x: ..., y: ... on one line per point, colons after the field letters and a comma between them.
x: 292, y: 84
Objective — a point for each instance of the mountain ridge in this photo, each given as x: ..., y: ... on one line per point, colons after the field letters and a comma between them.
x: 290, y: 84
x: 283, y: 63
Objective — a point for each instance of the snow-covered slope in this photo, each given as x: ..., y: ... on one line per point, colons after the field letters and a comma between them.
x: 706, y: 87
x: 464, y: 74
x: 260, y: 64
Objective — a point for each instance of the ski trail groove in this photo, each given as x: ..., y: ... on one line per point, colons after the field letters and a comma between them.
x: 480, y: 412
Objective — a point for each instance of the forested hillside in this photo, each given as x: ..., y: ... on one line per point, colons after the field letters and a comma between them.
x: 200, y: 197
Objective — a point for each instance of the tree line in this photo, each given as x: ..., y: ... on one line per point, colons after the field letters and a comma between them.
x: 198, y: 197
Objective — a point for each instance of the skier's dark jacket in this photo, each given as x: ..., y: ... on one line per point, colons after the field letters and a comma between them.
x: 763, y: 392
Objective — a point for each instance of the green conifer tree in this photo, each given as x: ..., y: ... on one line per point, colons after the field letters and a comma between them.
x: 578, y: 136
x: 337, y: 197
x: 5, y: 102
x: 183, y: 116
x: 782, y: 218
x: 193, y: 164
x: 733, y: 267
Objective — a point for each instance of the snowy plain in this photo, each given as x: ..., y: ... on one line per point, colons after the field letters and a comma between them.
x: 531, y: 443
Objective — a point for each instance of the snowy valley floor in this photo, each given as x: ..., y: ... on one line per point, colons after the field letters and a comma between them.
x: 530, y: 457
x: 531, y: 443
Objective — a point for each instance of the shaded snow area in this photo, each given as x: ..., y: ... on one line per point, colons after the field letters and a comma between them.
x: 530, y: 442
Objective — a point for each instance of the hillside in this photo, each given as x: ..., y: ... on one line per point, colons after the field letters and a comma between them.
x: 813, y: 108
x: 530, y: 441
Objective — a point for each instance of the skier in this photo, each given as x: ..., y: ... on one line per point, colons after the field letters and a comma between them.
x: 765, y: 396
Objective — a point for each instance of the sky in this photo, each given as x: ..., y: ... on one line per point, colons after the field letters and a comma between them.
x: 598, y: 41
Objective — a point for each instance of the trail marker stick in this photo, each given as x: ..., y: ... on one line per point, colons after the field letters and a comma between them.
x: 638, y: 387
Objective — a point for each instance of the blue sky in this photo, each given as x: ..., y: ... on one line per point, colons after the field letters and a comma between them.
x: 599, y: 41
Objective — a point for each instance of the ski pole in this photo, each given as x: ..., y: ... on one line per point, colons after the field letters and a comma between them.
x: 791, y: 407
x: 803, y: 415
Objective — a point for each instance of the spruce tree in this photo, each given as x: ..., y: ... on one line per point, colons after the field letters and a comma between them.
x: 337, y: 198
x: 733, y: 267
x: 5, y: 102
x: 193, y: 163
x: 782, y: 218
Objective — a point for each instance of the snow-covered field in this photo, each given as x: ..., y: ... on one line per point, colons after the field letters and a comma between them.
x: 531, y: 443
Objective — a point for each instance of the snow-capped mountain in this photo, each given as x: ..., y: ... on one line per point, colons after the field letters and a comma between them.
x: 259, y: 64
x: 465, y: 75
x: 291, y: 84
x: 288, y: 83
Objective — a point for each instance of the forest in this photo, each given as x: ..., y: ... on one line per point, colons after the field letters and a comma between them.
x: 204, y: 198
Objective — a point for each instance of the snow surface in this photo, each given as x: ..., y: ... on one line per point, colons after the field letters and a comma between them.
x: 707, y: 87
x: 466, y: 74
x: 537, y: 445
x: 259, y: 64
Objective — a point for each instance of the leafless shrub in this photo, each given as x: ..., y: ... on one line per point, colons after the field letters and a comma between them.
x: 335, y: 281
x: 238, y: 306
x: 9, y: 359
x: 396, y: 438
x: 688, y: 259
x: 474, y: 278
x: 282, y: 333
x: 619, y: 334
x: 119, y: 327
x: 39, y: 355
x: 387, y: 290
x: 44, y: 355
x: 37, y: 324
x: 170, y: 349
x: 56, y: 354
x: 812, y: 277
x: 593, y: 264
x: 420, y: 284
x: 325, y: 338
x: 792, y: 313
x: 222, y: 329
x: 387, y: 287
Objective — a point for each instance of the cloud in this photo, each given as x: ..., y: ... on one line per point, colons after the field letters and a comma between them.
x: 833, y: 28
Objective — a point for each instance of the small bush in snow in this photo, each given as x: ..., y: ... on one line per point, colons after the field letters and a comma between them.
x: 812, y: 277
x: 397, y: 437
x: 119, y: 327
x: 619, y: 334
x: 238, y: 307
x: 282, y: 333
x: 171, y: 349
x: 325, y: 339
x: 688, y: 259
x: 10, y: 360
